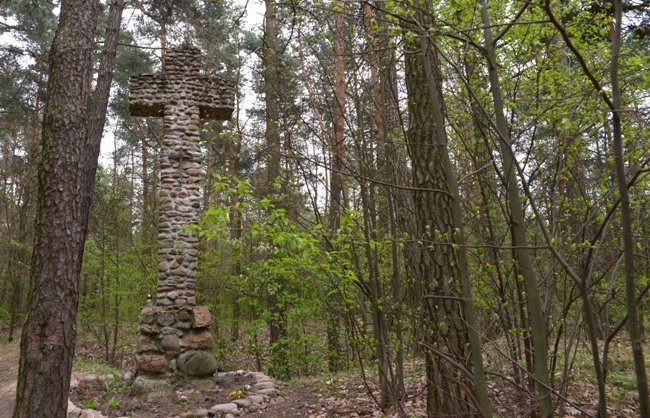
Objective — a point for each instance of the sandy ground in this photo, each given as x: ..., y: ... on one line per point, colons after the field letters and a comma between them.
x: 9, y: 359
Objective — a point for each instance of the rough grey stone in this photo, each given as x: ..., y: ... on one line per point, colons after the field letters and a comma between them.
x: 171, y: 342
x: 264, y: 384
x: 90, y: 378
x: 197, y: 363
x: 73, y: 410
x: 225, y: 407
x: 151, y: 386
x: 166, y: 318
x: 168, y: 330
x: 195, y: 413
x: 91, y: 413
x: 183, y: 325
x: 255, y: 398
x: 146, y: 344
x: 182, y: 96
x: 242, y: 403
x: 268, y: 392
x: 147, y: 316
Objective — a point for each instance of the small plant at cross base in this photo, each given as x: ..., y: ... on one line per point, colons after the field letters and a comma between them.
x: 182, y: 400
x: 113, y: 403
x: 90, y: 404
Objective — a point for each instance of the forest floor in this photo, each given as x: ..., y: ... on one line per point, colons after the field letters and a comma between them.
x: 9, y: 358
x: 304, y: 398
x: 344, y: 395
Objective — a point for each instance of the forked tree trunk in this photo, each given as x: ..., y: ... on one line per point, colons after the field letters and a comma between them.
x: 626, y: 220
x: 520, y: 242
x: 70, y: 151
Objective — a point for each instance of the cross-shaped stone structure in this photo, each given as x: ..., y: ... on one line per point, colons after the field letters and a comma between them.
x: 182, y: 97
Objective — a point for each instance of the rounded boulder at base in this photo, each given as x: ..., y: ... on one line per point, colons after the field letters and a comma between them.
x: 197, y: 363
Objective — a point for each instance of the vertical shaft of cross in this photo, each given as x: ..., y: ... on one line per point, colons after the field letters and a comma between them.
x: 180, y: 195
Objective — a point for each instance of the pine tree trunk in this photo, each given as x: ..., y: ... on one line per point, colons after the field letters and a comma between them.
x: 335, y: 355
x: 271, y: 87
x: 278, y: 361
x: 49, y: 334
x: 446, y: 333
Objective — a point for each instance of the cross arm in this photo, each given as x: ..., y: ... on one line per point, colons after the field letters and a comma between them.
x: 215, y: 98
x: 148, y: 95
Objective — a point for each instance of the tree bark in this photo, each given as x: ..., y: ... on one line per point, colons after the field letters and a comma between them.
x: 49, y: 334
x: 279, y: 360
x: 335, y: 356
x: 70, y: 142
x: 271, y: 95
x: 338, y: 121
x: 450, y: 390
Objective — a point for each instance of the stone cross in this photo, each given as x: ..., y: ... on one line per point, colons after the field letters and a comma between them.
x: 182, y: 97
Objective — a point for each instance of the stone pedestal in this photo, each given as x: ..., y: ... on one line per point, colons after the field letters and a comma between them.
x: 175, y: 338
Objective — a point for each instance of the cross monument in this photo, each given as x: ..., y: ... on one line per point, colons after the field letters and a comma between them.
x: 175, y: 334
